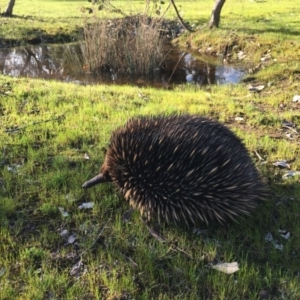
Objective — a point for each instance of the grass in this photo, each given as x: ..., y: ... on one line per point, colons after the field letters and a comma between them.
x: 47, y: 127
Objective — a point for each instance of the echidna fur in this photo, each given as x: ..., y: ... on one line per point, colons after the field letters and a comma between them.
x: 182, y: 168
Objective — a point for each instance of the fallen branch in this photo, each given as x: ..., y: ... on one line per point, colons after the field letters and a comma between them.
x: 94, y: 243
x: 10, y: 130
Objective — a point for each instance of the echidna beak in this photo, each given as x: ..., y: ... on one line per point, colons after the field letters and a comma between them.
x: 97, y: 179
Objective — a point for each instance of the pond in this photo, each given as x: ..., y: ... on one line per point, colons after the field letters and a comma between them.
x: 64, y: 63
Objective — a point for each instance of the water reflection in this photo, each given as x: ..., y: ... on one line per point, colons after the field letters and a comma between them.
x: 48, y: 62
x: 65, y: 63
x: 204, y: 73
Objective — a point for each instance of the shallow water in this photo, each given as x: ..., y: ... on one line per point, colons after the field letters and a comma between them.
x: 64, y: 63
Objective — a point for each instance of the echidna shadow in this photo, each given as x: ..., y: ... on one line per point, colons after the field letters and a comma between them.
x: 182, y: 168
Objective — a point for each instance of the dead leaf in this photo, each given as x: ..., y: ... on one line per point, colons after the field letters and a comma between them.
x: 86, y: 205
x: 64, y: 233
x: 296, y: 98
x: 290, y: 174
x: 269, y: 237
x: 256, y: 89
x: 76, y: 268
x: 63, y: 212
x: 282, y: 164
x: 228, y: 268
x: 72, y: 238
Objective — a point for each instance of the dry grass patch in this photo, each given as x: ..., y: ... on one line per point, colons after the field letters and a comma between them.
x: 131, y: 45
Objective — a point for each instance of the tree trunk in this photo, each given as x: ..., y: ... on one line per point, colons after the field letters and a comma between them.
x: 216, y: 13
x: 9, y: 8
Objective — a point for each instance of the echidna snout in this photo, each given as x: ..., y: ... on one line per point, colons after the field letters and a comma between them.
x: 95, y: 180
x: 182, y: 168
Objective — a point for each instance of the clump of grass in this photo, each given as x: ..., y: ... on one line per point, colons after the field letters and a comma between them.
x: 132, y: 45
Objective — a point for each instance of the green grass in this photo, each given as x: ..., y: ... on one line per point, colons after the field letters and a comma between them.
x: 58, y: 124
x: 46, y: 127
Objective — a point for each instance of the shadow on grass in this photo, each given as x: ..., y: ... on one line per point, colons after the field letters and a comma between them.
x: 268, y: 29
x: 36, y: 37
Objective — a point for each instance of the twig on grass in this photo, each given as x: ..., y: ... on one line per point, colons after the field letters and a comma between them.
x: 95, y: 242
x: 157, y: 235
x: 10, y: 130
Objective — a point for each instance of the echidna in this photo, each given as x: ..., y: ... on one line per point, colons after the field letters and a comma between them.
x: 182, y: 168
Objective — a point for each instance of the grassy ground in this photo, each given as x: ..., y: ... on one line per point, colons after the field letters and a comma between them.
x: 46, y: 128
